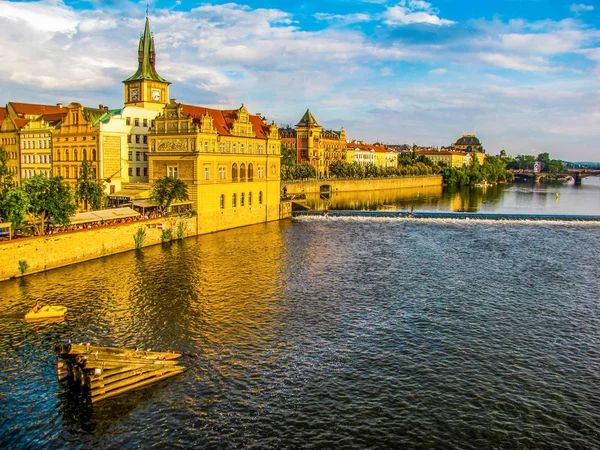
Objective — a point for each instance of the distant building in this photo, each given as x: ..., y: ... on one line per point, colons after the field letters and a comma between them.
x: 313, y: 144
x: 25, y: 133
x: 448, y: 157
x: 470, y: 143
x: 375, y: 154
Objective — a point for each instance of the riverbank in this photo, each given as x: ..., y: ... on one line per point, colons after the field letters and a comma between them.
x: 352, y: 185
x: 22, y: 257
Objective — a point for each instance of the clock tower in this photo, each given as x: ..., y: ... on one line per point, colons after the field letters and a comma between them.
x: 146, y: 88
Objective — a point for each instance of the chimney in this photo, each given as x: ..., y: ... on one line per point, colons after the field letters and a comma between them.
x: 100, y: 106
x: 59, y: 104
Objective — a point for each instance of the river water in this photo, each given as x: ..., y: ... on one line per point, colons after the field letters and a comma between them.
x: 328, y: 333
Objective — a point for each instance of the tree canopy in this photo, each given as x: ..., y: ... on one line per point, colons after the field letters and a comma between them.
x: 166, y: 190
x: 48, y: 198
x: 89, y: 190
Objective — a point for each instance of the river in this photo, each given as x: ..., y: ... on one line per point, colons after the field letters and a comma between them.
x: 330, y: 333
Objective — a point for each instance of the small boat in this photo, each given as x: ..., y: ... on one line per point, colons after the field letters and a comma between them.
x: 46, y: 312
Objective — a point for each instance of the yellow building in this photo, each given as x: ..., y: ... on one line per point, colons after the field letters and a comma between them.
x: 77, y: 139
x: 313, y: 144
x: 229, y: 160
x: 469, y: 143
x: 450, y: 158
x: 25, y: 134
x: 371, y: 154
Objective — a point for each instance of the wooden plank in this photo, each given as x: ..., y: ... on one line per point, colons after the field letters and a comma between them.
x: 80, y: 349
x: 124, y: 389
x: 92, y: 363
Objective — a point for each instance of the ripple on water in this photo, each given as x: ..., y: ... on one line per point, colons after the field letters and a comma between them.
x: 325, y: 334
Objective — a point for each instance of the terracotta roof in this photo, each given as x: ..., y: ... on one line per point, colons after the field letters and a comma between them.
x: 20, y: 123
x: 33, y: 109
x: 358, y: 145
x: 223, y: 119
x: 2, y: 114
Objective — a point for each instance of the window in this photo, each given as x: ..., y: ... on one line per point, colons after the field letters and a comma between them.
x: 137, y: 122
x: 206, y: 146
x: 137, y: 171
x: 58, y: 155
x: 261, y: 172
x: 173, y: 172
x: 234, y: 200
x: 137, y: 156
x: 131, y: 171
x: 222, y: 201
x: 206, y: 173
x: 74, y: 155
x: 222, y: 173
x: 146, y: 122
x: 260, y: 199
x: 249, y: 198
x: 94, y: 155
x: 242, y: 148
x: 250, y: 172
x: 242, y: 199
x: 66, y: 154
x: 145, y: 156
x: 137, y: 138
x: 129, y: 139
x: 145, y: 171
x: 234, y: 172
x: 84, y: 154
x: 250, y: 148
x: 130, y: 156
x: 145, y: 139
x: 128, y: 120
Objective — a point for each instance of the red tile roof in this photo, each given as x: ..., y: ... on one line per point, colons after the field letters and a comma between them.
x: 20, y: 123
x: 2, y: 114
x: 34, y: 109
x: 223, y: 119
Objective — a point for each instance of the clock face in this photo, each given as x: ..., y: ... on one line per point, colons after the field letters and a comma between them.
x: 134, y: 95
x: 156, y: 95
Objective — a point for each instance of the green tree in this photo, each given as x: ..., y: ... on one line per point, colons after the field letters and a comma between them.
x: 544, y: 158
x: 288, y: 156
x: 166, y: 190
x: 13, y: 206
x: 89, y: 190
x: 48, y: 198
x: 556, y: 166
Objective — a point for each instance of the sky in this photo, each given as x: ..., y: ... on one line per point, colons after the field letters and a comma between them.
x: 523, y: 75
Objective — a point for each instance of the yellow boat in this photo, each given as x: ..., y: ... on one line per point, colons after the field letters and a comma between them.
x: 46, y: 312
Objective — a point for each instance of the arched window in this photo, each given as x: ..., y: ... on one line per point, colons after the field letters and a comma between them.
x: 249, y: 198
x: 243, y: 172
x: 242, y: 199
x: 234, y: 200
x: 234, y: 172
x: 250, y: 172
x: 260, y: 198
x: 222, y: 201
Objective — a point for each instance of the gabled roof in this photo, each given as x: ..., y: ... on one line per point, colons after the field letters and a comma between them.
x: 223, y: 119
x: 146, y: 58
x: 308, y: 120
x: 2, y: 115
x: 34, y: 109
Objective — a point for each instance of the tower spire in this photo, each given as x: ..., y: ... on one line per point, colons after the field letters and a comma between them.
x: 146, y: 57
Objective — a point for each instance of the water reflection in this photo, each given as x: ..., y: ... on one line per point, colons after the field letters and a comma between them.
x: 520, y: 198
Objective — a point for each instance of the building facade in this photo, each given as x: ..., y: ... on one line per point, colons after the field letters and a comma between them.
x: 25, y: 133
x: 229, y: 159
x: 371, y: 154
x: 313, y: 144
x: 469, y: 143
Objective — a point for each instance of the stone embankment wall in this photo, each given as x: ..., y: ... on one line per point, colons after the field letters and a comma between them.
x: 372, y: 184
x: 57, y: 250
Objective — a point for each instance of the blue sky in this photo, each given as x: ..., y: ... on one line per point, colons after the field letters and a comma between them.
x: 523, y: 75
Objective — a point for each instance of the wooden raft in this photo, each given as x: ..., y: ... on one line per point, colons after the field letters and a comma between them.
x: 106, y: 371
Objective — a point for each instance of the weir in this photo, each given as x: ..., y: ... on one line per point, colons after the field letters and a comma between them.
x: 448, y: 215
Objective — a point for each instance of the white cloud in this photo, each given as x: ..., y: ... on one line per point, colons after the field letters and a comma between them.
x: 578, y: 8
x: 413, y: 11
x: 440, y: 71
x: 47, y: 16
